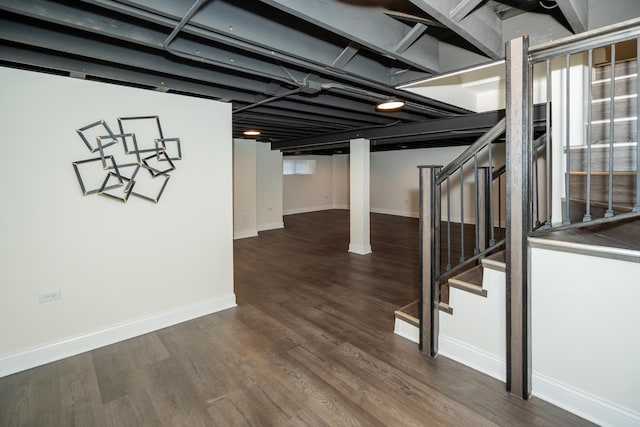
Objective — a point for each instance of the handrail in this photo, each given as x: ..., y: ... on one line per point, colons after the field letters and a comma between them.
x: 471, y: 261
x: 499, y: 172
x: 472, y: 150
x: 540, y: 142
x: 593, y: 39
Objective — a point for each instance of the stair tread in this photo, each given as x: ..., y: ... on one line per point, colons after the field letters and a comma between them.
x: 409, y: 313
x: 469, y: 280
x: 495, y: 261
x: 410, y: 309
x: 443, y: 306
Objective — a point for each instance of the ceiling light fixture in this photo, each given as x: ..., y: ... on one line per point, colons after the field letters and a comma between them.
x: 391, y: 105
x: 251, y: 132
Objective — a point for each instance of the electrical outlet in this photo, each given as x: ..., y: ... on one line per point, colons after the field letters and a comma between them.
x: 48, y: 296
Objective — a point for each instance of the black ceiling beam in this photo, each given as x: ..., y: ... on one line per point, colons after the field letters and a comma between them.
x: 251, y: 63
x: 268, y: 112
x: 449, y: 128
x: 442, y: 127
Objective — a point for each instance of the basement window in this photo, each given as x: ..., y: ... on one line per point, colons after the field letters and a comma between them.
x: 298, y: 167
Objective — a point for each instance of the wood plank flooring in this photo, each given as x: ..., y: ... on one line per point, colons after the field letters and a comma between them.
x: 310, y: 344
x: 620, y: 234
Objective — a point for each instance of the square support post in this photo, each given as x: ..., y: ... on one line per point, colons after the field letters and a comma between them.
x: 359, y: 206
x: 429, y: 259
x: 518, y: 161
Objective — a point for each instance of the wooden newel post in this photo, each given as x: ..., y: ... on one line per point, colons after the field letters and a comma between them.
x: 429, y: 259
x: 518, y: 290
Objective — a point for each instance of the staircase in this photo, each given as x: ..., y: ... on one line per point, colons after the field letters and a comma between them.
x: 535, y: 316
x: 471, y: 297
x: 476, y: 297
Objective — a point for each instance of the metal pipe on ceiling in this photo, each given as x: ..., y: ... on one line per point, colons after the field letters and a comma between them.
x: 301, y: 86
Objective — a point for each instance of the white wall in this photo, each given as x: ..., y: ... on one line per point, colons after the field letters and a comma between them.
x: 268, y: 187
x: 475, y: 334
x: 306, y: 193
x: 244, y: 189
x: 584, y: 335
x: 340, y: 181
x: 257, y: 188
x: 122, y: 269
x: 394, y: 183
x: 394, y: 178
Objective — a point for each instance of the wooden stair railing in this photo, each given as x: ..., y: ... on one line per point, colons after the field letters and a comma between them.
x: 529, y: 191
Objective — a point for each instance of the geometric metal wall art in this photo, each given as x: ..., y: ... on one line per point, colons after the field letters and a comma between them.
x: 135, y: 162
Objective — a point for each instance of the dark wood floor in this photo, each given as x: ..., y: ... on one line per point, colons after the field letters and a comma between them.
x: 310, y: 343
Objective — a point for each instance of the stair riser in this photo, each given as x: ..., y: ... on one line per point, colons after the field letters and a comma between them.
x: 622, y: 68
x: 623, y: 132
x: 626, y: 86
x: 597, y: 210
x: 624, y: 188
x: 626, y: 107
x: 624, y: 158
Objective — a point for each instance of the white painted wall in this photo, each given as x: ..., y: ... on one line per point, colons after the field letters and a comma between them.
x: 340, y: 181
x: 584, y: 335
x: 395, y: 183
x: 122, y: 269
x: 475, y: 334
x: 307, y: 193
x: 268, y: 187
x: 244, y: 189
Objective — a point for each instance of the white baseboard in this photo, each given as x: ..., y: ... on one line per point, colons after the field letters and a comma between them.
x: 473, y: 357
x: 272, y: 226
x: 395, y: 212
x: 343, y: 207
x: 359, y: 249
x: 583, y: 404
x: 48, y: 353
x: 307, y: 210
x: 243, y: 234
x: 407, y: 330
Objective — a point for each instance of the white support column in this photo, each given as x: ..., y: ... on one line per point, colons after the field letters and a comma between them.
x: 359, y: 159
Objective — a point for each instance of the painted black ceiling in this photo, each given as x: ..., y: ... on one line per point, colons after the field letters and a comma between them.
x: 294, y: 69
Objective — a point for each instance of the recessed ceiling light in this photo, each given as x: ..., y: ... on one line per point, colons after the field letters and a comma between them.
x: 251, y: 132
x: 391, y: 105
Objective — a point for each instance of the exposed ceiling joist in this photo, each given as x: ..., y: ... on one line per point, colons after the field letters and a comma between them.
x: 440, y: 127
x: 367, y: 27
x: 463, y: 8
x: 414, y: 34
x: 231, y: 25
x: 102, y: 51
x: 359, y: 70
x: 297, y: 69
x: 447, y: 128
x: 577, y: 14
x: 482, y: 28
